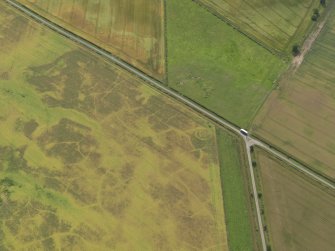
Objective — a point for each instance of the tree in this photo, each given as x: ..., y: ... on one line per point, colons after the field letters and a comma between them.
x: 259, y: 195
x: 316, y: 14
x: 323, y: 3
x: 254, y: 164
x: 268, y: 248
x: 296, y: 50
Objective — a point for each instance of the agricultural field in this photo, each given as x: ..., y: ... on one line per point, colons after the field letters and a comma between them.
x: 299, y: 117
x: 276, y: 24
x: 130, y: 29
x: 235, y: 192
x: 300, y: 213
x: 91, y: 158
x: 215, y: 65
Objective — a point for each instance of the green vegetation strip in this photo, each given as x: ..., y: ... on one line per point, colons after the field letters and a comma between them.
x: 235, y: 201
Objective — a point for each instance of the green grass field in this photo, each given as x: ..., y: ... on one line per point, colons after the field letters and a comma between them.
x: 235, y: 195
x: 215, y: 65
x: 276, y: 24
x: 299, y: 213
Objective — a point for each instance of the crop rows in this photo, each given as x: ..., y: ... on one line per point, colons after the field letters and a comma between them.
x: 300, y: 117
x: 299, y: 212
x: 274, y: 24
x: 132, y: 30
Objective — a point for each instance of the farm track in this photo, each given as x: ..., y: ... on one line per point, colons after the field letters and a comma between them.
x: 249, y: 141
x: 308, y: 44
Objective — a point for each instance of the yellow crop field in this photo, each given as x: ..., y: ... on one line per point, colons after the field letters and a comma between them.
x: 131, y: 29
x: 91, y: 158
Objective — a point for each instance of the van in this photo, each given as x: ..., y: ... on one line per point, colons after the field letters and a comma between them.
x: 244, y: 132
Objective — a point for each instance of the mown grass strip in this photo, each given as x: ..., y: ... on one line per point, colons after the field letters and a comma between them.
x: 239, y: 227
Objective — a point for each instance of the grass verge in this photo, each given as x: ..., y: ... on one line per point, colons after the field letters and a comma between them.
x: 239, y: 227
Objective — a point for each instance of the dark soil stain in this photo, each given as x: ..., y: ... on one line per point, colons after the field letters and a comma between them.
x: 79, y: 81
x: 29, y: 128
x: 12, y: 159
x: 14, y: 27
x: 69, y: 141
x: 4, y: 75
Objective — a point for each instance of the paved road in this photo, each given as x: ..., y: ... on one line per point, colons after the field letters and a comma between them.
x: 255, y: 193
x: 250, y: 141
x: 154, y: 83
x: 125, y: 65
x: 219, y: 120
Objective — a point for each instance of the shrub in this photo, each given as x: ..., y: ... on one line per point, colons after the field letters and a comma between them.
x: 296, y: 50
x: 254, y: 164
x: 316, y: 14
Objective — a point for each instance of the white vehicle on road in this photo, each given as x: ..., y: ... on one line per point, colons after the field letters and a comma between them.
x: 244, y: 132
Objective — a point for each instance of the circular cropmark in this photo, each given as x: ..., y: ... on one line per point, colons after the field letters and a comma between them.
x: 202, y: 134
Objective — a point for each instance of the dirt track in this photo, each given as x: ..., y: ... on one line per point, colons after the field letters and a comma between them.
x: 297, y: 61
x: 307, y: 46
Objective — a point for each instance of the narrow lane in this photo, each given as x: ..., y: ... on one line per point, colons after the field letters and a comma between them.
x: 250, y: 141
x: 255, y: 195
x: 255, y: 142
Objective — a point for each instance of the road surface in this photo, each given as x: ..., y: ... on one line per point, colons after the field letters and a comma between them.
x: 255, y: 193
x: 254, y: 142
x: 249, y: 141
